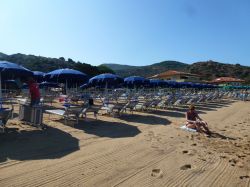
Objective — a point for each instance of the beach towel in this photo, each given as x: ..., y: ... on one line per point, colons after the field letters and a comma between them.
x: 184, y: 127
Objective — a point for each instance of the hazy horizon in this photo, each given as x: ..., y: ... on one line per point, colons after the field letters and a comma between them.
x: 128, y: 32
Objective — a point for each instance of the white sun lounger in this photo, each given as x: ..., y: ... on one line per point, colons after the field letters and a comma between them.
x: 69, y: 113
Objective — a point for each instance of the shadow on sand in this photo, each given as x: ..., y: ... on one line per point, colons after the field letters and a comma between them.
x: 107, y: 129
x: 168, y: 113
x: 51, y: 143
x: 220, y: 136
x: 145, y: 119
x: 184, y: 110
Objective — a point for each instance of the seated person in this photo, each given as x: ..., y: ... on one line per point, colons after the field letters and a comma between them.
x: 195, y: 122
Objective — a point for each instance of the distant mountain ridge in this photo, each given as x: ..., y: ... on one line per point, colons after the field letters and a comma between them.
x: 45, y: 64
x: 207, y: 69
x: 146, y: 71
x: 211, y: 70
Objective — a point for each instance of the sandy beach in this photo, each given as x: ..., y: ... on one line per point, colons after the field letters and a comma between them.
x: 140, y: 149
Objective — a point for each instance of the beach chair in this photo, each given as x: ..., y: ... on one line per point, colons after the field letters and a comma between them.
x: 91, y: 108
x: 5, y: 115
x: 69, y: 113
x: 114, y: 108
x: 131, y: 106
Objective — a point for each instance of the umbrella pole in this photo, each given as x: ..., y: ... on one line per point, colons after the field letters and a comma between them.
x: 106, y: 88
x: 66, y: 89
x: 0, y: 90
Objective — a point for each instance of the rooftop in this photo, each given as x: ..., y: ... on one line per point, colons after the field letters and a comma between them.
x: 172, y: 73
x: 226, y: 79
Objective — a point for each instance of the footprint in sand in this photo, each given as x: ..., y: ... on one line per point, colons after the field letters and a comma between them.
x: 192, y: 152
x: 223, y: 156
x: 157, y: 173
x: 233, y: 162
x: 244, y: 177
x: 194, y: 144
x: 241, y: 156
x: 240, y: 164
x: 154, y: 146
x: 185, y: 167
x: 184, y: 151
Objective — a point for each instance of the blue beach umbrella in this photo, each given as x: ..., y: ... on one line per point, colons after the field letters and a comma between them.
x: 48, y: 85
x: 10, y: 70
x: 25, y: 86
x: 171, y: 84
x: 67, y: 76
x: 84, y: 86
x: 63, y: 75
x: 10, y: 84
x: 157, y: 83
x: 197, y: 85
x: 183, y: 85
x: 39, y: 76
x: 136, y: 81
x: 106, y: 79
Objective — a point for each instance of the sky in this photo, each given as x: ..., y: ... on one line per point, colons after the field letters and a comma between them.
x: 133, y: 32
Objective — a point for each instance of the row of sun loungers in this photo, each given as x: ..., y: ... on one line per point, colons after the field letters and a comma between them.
x: 115, y: 104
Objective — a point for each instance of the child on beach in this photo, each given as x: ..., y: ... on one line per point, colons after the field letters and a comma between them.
x: 195, y: 122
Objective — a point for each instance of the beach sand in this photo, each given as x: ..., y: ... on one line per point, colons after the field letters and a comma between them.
x: 140, y: 149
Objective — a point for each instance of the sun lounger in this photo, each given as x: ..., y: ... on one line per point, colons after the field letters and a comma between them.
x: 91, y: 108
x: 69, y: 113
x: 5, y: 115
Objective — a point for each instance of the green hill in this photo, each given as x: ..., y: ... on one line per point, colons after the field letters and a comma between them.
x: 211, y: 69
x: 147, y: 71
x: 207, y: 69
x: 45, y: 64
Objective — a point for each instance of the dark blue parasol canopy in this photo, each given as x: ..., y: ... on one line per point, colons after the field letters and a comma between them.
x: 39, y: 76
x: 10, y: 84
x: 66, y: 75
x: 85, y: 86
x: 157, y: 83
x: 171, y: 84
x: 106, y: 79
x: 9, y: 70
x: 136, y: 81
x: 48, y: 85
